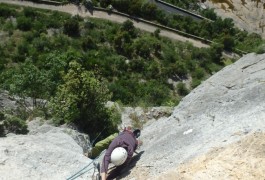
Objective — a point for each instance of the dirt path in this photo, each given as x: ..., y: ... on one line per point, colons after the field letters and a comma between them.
x: 72, y: 9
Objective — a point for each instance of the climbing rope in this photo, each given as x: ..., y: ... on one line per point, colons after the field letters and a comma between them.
x: 84, y: 169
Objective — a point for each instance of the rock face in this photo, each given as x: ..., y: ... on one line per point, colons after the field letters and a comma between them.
x: 247, y: 15
x: 222, y: 110
x: 39, y: 126
x: 46, y: 153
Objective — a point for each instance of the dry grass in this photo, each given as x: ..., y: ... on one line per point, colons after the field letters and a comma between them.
x: 228, y: 2
x: 243, y: 160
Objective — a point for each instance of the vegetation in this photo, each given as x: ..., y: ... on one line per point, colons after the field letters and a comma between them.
x: 81, y: 99
x: 11, y: 124
x: 78, y: 64
x: 218, y: 30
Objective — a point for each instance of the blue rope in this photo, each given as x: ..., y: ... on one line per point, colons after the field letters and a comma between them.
x: 79, y: 173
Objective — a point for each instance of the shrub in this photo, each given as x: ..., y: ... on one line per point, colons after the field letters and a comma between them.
x: 2, y: 130
x: 228, y: 42
x: 195, y: 82
x: 9, y: 26
x: 88, y: 43
x: 198, y: 73
x: 71, y: 27
x: 6, y: 12
x: 209, y: 13
x: 24, y: 23
x: 27, y: 80
x: 81, y: 100
x: 260, y: 49
x: 182, y: 89
x: 30, y: 12
x: 2, y: 116
x: 154, y: 93
x: 14, y: 124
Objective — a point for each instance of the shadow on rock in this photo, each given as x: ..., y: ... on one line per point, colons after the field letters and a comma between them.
x: 123, y: 171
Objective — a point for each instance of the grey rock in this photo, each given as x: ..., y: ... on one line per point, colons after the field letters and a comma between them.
x: 138, y: 115
x: 39, y: 126
x: 6, y: 101
x: 247, y: 15
x: 51, y: 155
x: 230, y: 101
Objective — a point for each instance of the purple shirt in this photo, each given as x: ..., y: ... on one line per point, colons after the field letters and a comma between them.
x: 126, y: 140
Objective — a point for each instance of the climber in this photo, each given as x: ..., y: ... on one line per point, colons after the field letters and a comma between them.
x: 121, y: 150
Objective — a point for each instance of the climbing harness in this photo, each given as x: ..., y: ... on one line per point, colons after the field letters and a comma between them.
x: 84, y: 169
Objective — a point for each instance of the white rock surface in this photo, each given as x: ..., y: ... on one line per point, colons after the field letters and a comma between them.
x: 223, y: 109
x: 51, y: 155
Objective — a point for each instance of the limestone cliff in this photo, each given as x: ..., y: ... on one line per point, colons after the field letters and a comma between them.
x: 247, y: 15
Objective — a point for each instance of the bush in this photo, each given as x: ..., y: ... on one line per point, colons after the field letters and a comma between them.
x: 81, y: 100
x: 228, y: 42
x: 198, y: 73
x: 27, y: 80
x: 209, y: 13
x: 195, y: 82
x: 88, y: 43
x: 24, y: 24
x: 2, y: 116
x: 71, y: 27
x: 182, y: 89
x: 2, y: 130
x: 260, y: 49
x: 154, y: 93
x: 13, y: 124
x: 6, y: 12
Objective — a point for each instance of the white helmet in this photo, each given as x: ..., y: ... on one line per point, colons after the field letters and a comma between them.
x: 118, y: 156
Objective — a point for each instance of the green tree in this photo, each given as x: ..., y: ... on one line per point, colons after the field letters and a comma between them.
x: 71, y: 27
x: 228, y: 42
x: 27, y: 80
x: 81, y: 100
x: 216, y: 52
x: 24, y: 23
x: 128, y: 26
x: 88, y: 43
x: 135, y: 7
x: 209, y: 13
x: 148, y: 10
x: 121, y: 41
x: 6, y: 12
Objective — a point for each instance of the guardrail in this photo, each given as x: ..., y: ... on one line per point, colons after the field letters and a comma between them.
x: 206, y: 41
x: 184, y: 11
x: 56, y: 3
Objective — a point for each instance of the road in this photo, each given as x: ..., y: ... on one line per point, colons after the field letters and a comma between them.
x: 74, y: 10
x: 177, y: 10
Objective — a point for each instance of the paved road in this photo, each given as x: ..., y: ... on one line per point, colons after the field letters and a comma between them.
x: 176, y: 10
x: 74, y: 10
